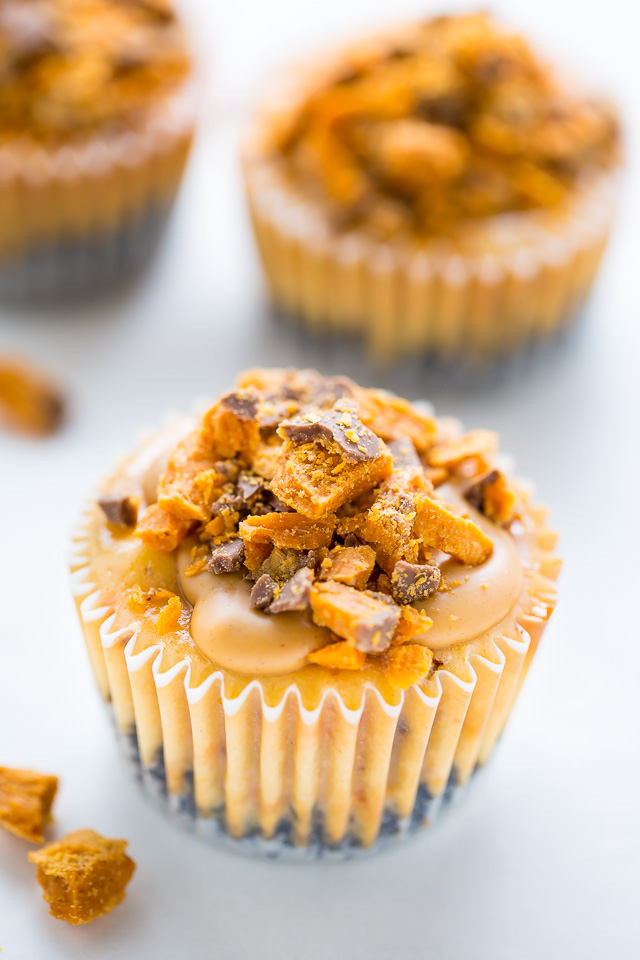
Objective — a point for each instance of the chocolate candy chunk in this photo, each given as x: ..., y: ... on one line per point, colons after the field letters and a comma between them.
x: 227, y: 557
x: 228, y: 469
x: 243, y: 405
x: 413, y: 581
x: 120, y: 511
x: 341, y: 426
x: 248, y: 486
x: 330, y: 389
x: 295, y: 594
x: 404, y: 453
x: 475, y: 493
x: 226, y: 504
x: 263, y: 591
x: 29, y: 32
x: 275, y: 504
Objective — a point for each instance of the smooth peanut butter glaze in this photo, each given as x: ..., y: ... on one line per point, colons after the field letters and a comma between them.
x: 341, y: 610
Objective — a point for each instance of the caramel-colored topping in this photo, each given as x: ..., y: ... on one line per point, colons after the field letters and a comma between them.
x: 71, y: 67
x: 83, y: 876
x: 269, y: 583
x: 447, y: 121
x: 26, y: 799
x: 234, y: 636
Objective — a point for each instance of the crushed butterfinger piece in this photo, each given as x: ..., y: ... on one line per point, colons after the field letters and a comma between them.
x: 187, y: 487
x: 263, y: 592
x: 350, y: 565
x: 412, y: 623
x: 199, y: 559
x: 339, y: 427
x: 459, y: 537
x: 315, y: 477
x: 139, y: 600
x: 338, y: 656
x: 388, y: 523
x: 26, y: 798
x: 393, y: 418
x: 120, y: 511
x: 161, y: 530
x: 266, y: 458
x: 407, y: 664
x: 294, y: 595
x: 474, y: 443
x: 233, y: 426
x: 226, y: 557
x: 365, y: 620
x: 288, y: 530
x: 413, y: 581
x: 492, y: 496
x: 404, y: 453
x: 169, y: 617
x: 83, y: 876
x: 29, y: 401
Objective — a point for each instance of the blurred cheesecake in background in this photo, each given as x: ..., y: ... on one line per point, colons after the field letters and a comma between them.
x: 435, y: 189
x: 96, y: 121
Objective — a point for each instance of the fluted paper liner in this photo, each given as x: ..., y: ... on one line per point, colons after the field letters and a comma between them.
x: 288, y: 779
x: 81, y: 211
x: 504, y: 282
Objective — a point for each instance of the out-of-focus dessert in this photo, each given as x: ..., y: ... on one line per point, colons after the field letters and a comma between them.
x: 29, y: 400
x: 96, y: 120
x: 83, y: 876
x: 26, y: 798
x: 436, y: 188
x: 311, y: 609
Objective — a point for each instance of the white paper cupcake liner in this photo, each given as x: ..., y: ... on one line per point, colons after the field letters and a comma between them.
x: 287, y: 780
x: 525, y: 281
x: 84, y: 214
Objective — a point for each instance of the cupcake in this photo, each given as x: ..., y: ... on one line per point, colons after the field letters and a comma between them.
x: 96, y: 120
x: 436, y: 190
x: 310, y: 610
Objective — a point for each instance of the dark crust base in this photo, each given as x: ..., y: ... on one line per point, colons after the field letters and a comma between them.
x: 74, y: 266
x: 212, y: 826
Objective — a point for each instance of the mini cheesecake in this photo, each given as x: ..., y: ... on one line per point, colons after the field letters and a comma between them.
x: 436, y: 189
x: 311, y: 607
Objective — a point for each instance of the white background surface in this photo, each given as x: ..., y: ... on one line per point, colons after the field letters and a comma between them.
x: 543, y: 859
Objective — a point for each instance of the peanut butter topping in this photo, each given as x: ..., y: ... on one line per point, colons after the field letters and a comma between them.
x: 308, y: 529
x: 236, y: 637
x: 444, y: 122
x: 232, y: 635
x: 71, y: 67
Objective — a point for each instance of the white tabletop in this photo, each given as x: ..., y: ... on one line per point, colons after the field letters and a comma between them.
x: 542, y: 859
